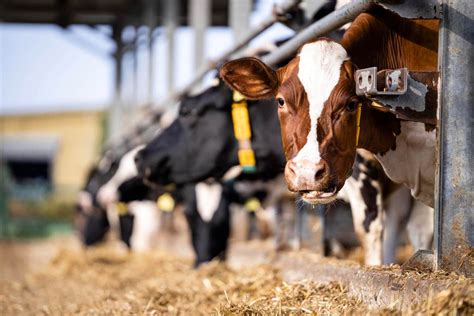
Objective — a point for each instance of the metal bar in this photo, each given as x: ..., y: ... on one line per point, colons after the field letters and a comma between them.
x: 151, y: 21
x: 239, y: 16
x: 200, y: 18
x: 454, y: 215
x: 115, y: 111
x: 328, y: 23
x: 264, y: 25
x: 171, y: 9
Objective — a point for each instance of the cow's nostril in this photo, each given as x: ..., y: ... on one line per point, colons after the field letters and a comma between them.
x: 319, y: 174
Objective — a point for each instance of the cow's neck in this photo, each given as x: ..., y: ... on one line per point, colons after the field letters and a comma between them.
x: 383, y: 39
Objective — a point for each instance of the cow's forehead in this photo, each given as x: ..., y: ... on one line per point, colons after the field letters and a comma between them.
x: 319, y: 70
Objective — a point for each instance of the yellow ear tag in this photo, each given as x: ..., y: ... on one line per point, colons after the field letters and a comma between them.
x: 165, y: 203
x: 121, y: 208
x: 243, y: 132
x: 252, y: 205
x: 240, y: 118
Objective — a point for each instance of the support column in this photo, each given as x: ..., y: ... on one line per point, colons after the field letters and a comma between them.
x: 171, y: 23
x: 239, y: 17
x: 454, y: 215
x: 151, y: 22
x: 115, y: 111
x: 200, y: 17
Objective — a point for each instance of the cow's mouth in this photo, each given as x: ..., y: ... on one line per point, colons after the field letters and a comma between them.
x: 320, y: 197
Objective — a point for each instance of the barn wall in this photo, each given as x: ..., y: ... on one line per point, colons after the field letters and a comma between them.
x: 79, y: 136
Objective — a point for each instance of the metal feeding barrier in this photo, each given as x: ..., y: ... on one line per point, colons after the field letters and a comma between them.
x: 453, y: 112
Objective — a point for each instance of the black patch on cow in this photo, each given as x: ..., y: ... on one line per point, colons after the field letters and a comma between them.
x: 369, y: 194
x: 126, y: 228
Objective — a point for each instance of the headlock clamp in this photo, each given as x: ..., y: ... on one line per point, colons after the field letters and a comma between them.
x: 243, y: 132
x: 410, y: 95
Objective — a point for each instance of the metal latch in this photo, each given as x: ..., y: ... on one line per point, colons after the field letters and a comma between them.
x: 386, y: 82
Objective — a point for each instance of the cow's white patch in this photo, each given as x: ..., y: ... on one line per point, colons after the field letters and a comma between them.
x: 84, y: 200
x: 146, y: 225
x: 125, y: 171
x: 319, y: 71
x: 413, y: 162
x: 208, y: 197
x: 420, y: 226
x: 232, y: 173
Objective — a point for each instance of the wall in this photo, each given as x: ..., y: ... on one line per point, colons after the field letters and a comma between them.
x: 79, y: 137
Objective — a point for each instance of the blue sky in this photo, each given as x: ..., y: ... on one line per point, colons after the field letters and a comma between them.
x: 46, y: 68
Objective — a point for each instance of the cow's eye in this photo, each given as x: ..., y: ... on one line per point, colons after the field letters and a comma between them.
x: 281, y: 102
x: 351, y: 106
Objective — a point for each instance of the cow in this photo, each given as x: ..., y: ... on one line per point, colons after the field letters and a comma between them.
x: 210, y: 200
x: 324, y: 121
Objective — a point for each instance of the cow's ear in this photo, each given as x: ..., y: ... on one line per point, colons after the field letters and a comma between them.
x: 250, y: 77
x: 350, y: 69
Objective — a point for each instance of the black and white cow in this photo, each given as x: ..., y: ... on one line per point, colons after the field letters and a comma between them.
x: 208, y: 199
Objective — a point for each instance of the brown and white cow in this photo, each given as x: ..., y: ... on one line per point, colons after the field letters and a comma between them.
x: 323, y: 120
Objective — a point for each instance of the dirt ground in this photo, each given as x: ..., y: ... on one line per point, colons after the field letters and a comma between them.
x: 57, y: 277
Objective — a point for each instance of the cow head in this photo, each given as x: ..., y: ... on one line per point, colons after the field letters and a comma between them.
x: 90, y: 219
x: 126, y: 170
x: 201, y: 144
x: 195, y: 144
x: 318, y: 112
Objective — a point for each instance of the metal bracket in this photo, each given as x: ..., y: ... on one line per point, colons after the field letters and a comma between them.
x: 418, y: 9
x: 410, y: 96
x: 368, y: 81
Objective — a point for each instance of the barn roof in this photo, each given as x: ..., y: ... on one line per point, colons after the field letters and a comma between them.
x: 97, y: 12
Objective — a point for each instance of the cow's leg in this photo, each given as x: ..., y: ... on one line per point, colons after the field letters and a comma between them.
x: 365, y: 197
x: 397, y: 206
x: 420, y: 226
x: 146, y: 225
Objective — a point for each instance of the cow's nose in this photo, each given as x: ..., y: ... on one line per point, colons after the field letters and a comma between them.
x: 305, y: 175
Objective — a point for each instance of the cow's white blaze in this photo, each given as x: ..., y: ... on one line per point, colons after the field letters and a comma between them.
x: 319, y: 70
x: 125, y: 171
x: 208, y: 196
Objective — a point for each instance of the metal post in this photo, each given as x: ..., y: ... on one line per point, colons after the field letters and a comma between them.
x: 200, y: 18
x: 115, y: 111
x: 135, y: 66
x: 454, y: 216
x: 239, y: 15
x: 171, y: 11
x: 151, y: 21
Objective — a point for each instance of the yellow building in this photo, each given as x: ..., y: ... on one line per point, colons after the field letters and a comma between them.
x: 59, y: 145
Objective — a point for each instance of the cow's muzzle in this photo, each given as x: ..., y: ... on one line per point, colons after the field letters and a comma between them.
x: 311, y: 179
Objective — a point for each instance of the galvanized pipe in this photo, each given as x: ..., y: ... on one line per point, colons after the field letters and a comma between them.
x: 264, y: 25
x: 454, y: 204
x: 325, y: 25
